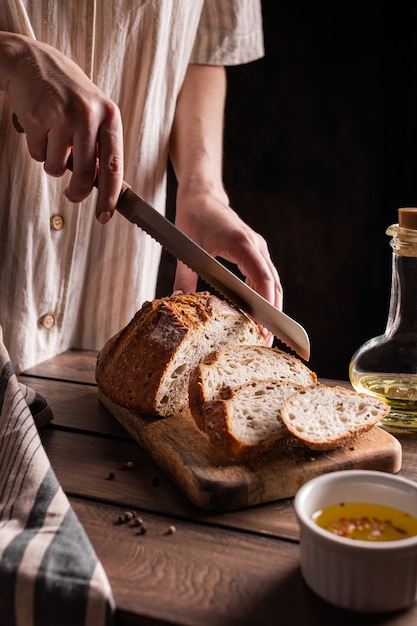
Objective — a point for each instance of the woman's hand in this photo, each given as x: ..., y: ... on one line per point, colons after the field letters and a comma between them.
x: 62, y: 111
x: 203, y: 211
x: 209, y: 221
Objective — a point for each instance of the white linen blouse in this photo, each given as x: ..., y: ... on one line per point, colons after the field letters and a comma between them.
x: 65, y: 280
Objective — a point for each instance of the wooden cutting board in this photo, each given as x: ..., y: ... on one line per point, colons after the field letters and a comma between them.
x: 183, y: 453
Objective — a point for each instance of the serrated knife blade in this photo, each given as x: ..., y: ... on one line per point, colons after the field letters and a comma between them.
x: 141, y: 213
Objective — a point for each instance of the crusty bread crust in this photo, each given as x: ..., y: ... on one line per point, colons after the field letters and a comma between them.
x: 237, y: 365
x: 246, y: 422
x: 145, y: 367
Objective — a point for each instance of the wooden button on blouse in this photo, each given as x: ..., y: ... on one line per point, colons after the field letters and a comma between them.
x: 47, y: 321
x: 57, y: 222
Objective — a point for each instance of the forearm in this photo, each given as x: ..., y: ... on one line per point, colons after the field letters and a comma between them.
x: 196, y: 146
x: 203, y: 211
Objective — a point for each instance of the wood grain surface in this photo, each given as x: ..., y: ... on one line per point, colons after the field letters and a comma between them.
x: 184, y: 453
x: 230, y: 568
x: 200, y: 576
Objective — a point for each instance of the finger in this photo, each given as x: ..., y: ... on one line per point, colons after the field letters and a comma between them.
x: 57, y: 152
x: 262, y: 276
x: 110, y: 178
x: 84, y: 165
x: 37, y: 141
x: 262, y: 272
x: 278, y: 291
x: 269, y: 337
x: 17, y: 124
x: 249, y: 251
x: 185, y: 279
x: 110, y: 156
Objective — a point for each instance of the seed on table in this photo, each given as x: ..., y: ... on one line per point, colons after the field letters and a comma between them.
x: 126, y: 517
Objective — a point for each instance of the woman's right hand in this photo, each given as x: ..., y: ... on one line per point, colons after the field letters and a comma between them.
x: 62, y: 111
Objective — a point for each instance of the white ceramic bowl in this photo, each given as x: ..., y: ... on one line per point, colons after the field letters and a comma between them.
x: 355, y: 574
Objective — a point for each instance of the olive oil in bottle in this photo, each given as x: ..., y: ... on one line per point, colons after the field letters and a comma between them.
x: 386, y: 366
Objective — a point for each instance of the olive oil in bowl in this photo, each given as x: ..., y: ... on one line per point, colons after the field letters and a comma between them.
x: 358, y: 539
x: 366, y: 521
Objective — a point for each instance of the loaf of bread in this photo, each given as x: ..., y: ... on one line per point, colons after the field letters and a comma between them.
x: 146, y: 366
x: 324, y: 418
x: 246, y: 422
x: 197, y: 356
x: 234, y: 366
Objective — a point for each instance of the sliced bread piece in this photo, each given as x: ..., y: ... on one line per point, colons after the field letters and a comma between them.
x: 232, y: 367
x: 145, y: 367
x: 247, y: 422
x: 324, y: 418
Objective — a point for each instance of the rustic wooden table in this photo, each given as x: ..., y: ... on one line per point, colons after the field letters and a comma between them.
x: 230, y: 569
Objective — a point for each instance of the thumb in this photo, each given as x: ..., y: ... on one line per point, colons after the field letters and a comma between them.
x: 185, y: 279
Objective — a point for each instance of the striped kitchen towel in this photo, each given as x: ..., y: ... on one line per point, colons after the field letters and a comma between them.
x: 49, y: 572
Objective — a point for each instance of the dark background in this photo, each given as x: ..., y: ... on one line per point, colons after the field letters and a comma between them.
x: 320, y: 151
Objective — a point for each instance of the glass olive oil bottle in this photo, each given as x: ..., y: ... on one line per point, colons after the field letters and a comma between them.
x: 386, y: 366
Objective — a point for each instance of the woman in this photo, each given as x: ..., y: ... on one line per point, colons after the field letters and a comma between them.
x: 133, y: 83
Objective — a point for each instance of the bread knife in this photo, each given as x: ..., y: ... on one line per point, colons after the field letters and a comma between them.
x: 141, y: 213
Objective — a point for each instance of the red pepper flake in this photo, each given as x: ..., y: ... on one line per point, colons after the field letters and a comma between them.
x: 373, y: 527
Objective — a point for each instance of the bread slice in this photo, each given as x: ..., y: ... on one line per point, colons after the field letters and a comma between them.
x: 324, y: 418
x: 247, y: 422
x: 146, y: 366
x: 236, y: 366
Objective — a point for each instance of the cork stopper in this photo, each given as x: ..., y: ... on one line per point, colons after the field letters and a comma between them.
x: 407, y: 217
